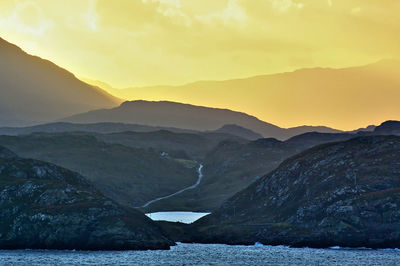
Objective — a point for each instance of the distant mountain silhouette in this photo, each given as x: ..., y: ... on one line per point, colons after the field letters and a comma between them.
x: 186, y: 116
x: 349, y: 96
x: 36, y: 90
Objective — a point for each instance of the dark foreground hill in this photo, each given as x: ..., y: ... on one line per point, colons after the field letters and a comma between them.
x: 48, y: 207
x: 336, y: 194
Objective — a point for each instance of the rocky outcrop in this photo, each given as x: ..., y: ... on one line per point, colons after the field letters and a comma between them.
x: 337, y: 194
x: 48, y: 207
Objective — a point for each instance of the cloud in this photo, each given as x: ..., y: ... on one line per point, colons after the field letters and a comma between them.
x: 125, y: 42
x: 91, y: 16
x: 285, y: 5
x: 28, y: 18
x: 172, y: 9
x: 233, y: 12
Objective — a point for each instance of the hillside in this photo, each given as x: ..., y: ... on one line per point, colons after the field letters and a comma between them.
x: 193, y: 146
x: 337, y: 194
x: 239, y: 131
x: 43, y: 206
x: 178, y: 115
x: 35, y: 90
x: 130, y: 176
x: 229, y: 168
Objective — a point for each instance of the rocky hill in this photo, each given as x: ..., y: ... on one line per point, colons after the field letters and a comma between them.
x: 337, y: 194
x: 48, y: 207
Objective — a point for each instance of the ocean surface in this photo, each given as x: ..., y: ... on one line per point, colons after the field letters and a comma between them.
x: 200, y: 254
x: 182, y: 217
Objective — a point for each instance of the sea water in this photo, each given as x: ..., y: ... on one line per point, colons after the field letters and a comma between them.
x: 202, y: 254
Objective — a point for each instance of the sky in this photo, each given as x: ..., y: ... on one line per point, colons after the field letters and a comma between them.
x: 151, y: 42
x: 136, y: 43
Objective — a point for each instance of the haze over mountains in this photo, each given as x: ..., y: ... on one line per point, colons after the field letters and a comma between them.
x: 178, y: 115
x: 346, y: 98
x: 35, y: 90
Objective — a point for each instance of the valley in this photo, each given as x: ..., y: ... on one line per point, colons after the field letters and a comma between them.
x: 83, y: 169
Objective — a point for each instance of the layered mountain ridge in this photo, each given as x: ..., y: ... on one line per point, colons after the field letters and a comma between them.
x: 187, y: 116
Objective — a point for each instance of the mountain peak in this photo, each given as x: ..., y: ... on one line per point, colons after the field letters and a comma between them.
x: 36, y: 90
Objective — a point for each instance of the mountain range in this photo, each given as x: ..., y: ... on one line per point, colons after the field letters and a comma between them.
x: 34, y: 90
x: 322, y: 96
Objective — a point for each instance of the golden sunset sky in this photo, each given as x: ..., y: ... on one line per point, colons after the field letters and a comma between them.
x: 148, y: 42
x: 130, y: 43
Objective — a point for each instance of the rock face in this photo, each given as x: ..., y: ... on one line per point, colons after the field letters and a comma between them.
x: 46, y: 206
x: 336, y: 194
